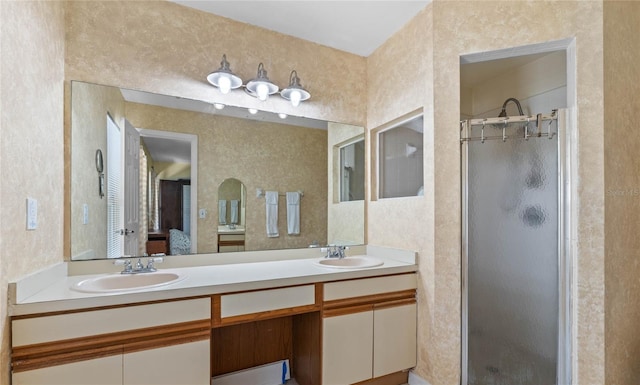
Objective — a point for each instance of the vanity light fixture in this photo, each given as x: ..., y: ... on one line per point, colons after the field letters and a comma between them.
x: 253, y: 111
x: 282, y: 115
x: 218, y: 106
x: 260, y: 86
x: 294, y: 92
x: 223, y: 78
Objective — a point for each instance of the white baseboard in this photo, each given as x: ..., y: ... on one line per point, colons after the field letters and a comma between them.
x: 414, y: 379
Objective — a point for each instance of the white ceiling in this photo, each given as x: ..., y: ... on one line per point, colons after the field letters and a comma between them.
x: 358, y: 26
x: 168, y: 150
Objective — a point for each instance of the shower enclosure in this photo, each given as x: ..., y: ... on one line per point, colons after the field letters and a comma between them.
x: 515, y: 285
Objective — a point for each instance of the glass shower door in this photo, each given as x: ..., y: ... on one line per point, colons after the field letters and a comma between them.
x: 511, y: 262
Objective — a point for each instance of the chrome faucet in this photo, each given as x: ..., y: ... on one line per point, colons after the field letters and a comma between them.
x: 334, y: 251
x: 127, y: 265
x: 139, y: 266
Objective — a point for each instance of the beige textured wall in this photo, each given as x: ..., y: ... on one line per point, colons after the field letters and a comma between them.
x: 346, y: 221
x: 622, y: 192
x: 460, y: 28
x: 166, y: 48
x: 31, y: 144
x: 260, y: 154
x: 430, y: 47
x: 152, y: 55
x: 407, y: 222
x: 89, y: 133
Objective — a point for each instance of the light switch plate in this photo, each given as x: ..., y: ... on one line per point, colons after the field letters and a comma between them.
x: 85, y: 214
x: 32, y: 214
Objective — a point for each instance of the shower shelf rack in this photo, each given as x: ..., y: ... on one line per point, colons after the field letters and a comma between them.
x: 538, y: 119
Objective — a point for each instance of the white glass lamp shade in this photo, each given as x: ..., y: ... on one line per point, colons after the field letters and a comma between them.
x: 261, y: 86
x: 223, y: 78
x: 294, y: 92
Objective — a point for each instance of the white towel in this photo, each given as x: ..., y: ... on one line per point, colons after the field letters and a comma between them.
x: 293, y: 213
x: 234, y: 211
x: 271, y: 203
x: 222, y: 212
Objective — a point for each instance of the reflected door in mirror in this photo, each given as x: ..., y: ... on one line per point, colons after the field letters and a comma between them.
x: 171, y: 204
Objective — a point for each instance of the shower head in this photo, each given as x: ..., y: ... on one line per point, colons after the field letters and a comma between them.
x: 503, y: 113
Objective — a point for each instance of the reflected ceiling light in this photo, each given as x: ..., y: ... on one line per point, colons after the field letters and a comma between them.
x: 260, y: 86
x: 253, y: 111
x: 223, y: 78
x: 282, y: 115
x: 294, y: 92
x: 218, y: 106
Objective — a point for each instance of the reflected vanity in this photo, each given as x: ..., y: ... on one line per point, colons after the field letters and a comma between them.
x: 256, y: 151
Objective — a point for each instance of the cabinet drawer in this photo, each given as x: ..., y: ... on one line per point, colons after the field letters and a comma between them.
x: 88, y: 323
x: 369, y: 286
x: 232, y: 305
x: 230, y: 249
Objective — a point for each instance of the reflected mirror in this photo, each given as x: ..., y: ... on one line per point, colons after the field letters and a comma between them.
x: 167, y: 161
x: 231, y: 215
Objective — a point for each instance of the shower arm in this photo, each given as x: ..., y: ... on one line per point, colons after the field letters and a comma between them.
x: 503, y: 113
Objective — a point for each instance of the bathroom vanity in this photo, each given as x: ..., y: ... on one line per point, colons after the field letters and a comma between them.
x: 336, y: 326
x: 230, y: 239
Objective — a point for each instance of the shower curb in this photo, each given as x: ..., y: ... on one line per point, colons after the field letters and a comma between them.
x: 414, y: 379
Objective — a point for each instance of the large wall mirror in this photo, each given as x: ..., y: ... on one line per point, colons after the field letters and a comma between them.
x: 167, y: 164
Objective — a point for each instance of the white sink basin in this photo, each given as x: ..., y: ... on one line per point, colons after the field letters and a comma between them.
x: 127, y: 282
x: 354, y: 262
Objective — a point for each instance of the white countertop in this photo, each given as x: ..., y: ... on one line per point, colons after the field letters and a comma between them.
x: 201, y: 281
x: 226, y: 230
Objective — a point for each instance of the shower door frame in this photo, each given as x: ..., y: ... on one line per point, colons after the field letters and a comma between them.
x: 564, y: 347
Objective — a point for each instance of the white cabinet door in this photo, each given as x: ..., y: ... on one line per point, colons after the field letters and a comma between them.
x: 394, y: 339
x: 347, y: 348
x: 184, y: 364
x: 99, y: 371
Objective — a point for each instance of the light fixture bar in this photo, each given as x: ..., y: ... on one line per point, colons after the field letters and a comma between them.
x: 260, y: 86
